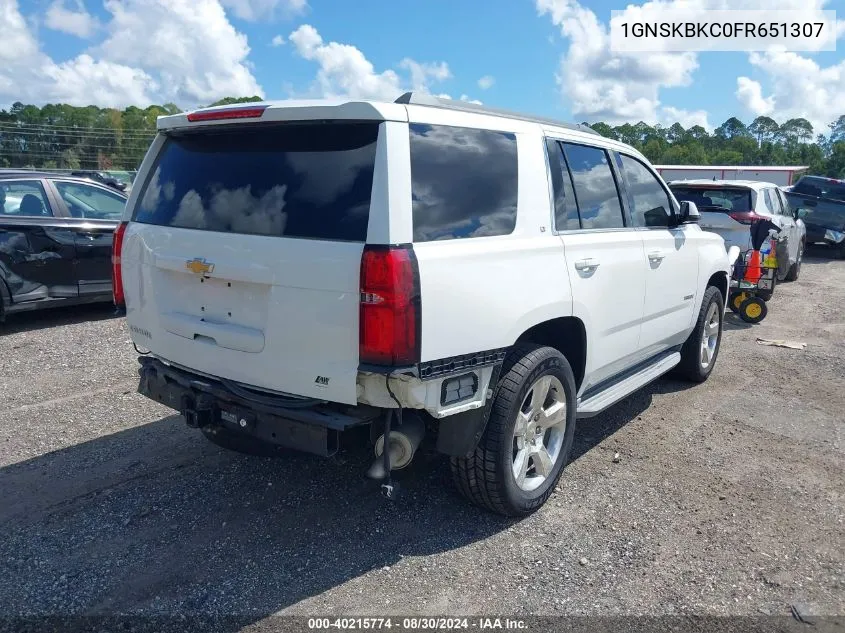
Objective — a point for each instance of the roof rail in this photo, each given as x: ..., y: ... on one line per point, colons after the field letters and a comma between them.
x: 422, y: 98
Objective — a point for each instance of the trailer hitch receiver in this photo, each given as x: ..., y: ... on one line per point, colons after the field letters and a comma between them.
x: 198, y: 412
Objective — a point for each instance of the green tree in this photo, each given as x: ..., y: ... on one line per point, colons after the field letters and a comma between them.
x: 837, y: 130
x: 764, y: 129
x: 605, y: 130
x: 796, y: 131
x: 233, y: 100
x: 731, y: 128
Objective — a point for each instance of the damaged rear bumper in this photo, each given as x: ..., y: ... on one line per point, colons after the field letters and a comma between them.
x: 207, y: 403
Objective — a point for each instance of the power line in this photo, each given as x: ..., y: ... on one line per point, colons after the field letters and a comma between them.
x: 78, y: 134
x: 58, y: 127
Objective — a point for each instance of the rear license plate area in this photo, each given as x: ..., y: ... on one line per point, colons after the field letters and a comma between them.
x: 279, y: 430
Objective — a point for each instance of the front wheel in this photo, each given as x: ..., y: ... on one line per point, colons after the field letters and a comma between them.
x: 699, y: 353
x: 528, y: 437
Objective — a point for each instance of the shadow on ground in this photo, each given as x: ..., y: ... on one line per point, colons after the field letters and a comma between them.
x: 54, y: 317
x: 154, y: 520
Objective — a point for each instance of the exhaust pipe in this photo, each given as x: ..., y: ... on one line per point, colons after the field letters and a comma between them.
x: 404, y: 442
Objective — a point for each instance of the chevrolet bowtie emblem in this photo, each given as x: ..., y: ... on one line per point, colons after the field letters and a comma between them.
x: 199, y: 266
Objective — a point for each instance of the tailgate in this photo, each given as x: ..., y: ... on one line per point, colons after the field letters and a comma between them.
x: 243, y: 257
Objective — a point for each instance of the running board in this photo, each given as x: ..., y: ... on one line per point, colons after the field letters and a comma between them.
x: 624, y: 388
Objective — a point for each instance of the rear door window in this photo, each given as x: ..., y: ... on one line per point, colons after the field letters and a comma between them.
x: 23, y: 198
x: 650, y: 203
x: 292, y: 180
x: 770, y: 202
x: 464, y: 182
x: 595, y: 187
x: 85, y: 201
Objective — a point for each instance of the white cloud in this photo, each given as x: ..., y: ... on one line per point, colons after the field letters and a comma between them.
x: 278, y: 41
x: 104, y: 82
x: 345, y: 71
x: 422, y: 73
x: 799, y: 87
x: 687, y: 118
x: 606, y: 86
x: 189, y: 44
x: 257, y: 9
x: 155, y: 51
x: 74, y: 21
x: 486, y: 82
x: 750, y: 95
x: 30, y: 76
x: 618, y: 87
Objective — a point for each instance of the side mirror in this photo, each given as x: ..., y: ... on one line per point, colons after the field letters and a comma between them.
x: 689, y: 213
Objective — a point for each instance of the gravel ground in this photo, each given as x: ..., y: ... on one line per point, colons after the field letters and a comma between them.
x: 727, y: 497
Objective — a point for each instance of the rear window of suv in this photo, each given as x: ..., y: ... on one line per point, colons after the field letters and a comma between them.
x: 293, y: 180
x: 718, y: 199
x: 464, y: 182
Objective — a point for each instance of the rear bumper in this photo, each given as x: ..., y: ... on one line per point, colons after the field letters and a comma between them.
x: 205, y: 402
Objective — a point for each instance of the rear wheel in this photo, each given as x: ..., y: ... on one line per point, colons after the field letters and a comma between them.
x: 753, y: 310
x: 528, y: 437
x: 699, y: 353
x: 795, y: 269
x: 736, y: 300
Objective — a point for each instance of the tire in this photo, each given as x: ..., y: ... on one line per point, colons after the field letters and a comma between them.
x: 795, y: 269
x: 693, y: 366
x: 240, y: 442
x: 753, y: 310
x: 487, y: 477
x: 735, y: 301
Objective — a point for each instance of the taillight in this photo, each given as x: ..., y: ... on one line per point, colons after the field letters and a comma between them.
x: 116, y: 278
x: 745, y: 217
x: 228, y: 113
x: 390, y: 307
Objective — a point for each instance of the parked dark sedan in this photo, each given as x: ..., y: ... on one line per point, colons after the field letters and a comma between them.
x: 55, y: 240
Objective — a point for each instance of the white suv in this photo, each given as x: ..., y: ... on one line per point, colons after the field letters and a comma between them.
x: 298, y: 269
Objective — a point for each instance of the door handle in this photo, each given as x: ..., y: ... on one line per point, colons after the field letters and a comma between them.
x: 656, y: 256
x: 587, y: 265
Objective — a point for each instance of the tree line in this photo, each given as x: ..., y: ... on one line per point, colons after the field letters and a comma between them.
x: 763, y: 142
x: 58, y: 136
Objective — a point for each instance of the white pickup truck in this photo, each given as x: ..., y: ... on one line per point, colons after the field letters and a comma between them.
x: 292, y: 270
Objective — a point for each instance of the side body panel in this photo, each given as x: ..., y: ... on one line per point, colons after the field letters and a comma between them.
x: 482, y: 293
x: 608, y: 298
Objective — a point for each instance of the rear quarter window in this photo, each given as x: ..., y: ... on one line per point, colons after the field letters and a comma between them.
x: 293, y: 180
x: 464, y: 182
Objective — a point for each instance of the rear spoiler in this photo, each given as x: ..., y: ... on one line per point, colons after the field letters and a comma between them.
x: 261, y: 112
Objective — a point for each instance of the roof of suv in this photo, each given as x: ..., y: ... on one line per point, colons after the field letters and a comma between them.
x: 369, y: 109
x: 399, y: 110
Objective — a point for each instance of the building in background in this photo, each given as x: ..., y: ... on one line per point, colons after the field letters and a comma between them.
x: 779, y: 175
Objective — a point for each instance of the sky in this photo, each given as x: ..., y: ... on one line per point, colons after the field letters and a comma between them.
x: 545, y: 57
